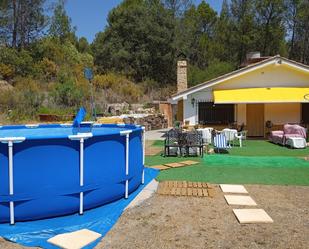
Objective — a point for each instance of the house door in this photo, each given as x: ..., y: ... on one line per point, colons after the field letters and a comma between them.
x: 255, y: 120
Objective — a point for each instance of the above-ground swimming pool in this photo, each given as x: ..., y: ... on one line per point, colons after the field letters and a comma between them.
x: 54, y: 170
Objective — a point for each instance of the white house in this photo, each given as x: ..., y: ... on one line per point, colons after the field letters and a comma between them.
x: 273, y: 89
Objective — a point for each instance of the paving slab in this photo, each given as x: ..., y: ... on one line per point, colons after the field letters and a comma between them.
x: 175, y: 165
x: 241, y: 200
x: 74, y: 240
x: 248, y: 216
x: 230, y: 188
x: 189, y: 162
x: 160, y: 167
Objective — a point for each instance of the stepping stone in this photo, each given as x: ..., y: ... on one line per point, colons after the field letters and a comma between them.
x: 189, y: 162
x: 174, y: 165
x: 237, y: 189
x: 160, y: 167
x: 239, y: 200
x: 74, y: 240
x: 247, y: 216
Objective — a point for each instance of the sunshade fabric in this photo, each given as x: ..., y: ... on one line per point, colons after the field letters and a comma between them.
x: 262, y: 95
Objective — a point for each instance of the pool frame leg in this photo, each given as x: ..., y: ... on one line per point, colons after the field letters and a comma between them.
x: 81, y: 138
x: 11, y: 181
x: 127, y: 134
x: 81, y: 175
x: 144, y: 146
x: 127, y: 165
x: 10, y: 141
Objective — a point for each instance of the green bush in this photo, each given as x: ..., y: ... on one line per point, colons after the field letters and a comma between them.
x: 20, y: 62
x: 215, y: 69
x: 67, y: 93
x: 6, y: 71
x: 119, y: 87
x: 22, y: 102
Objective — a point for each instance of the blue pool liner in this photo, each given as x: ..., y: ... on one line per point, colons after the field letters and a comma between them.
x: 101, y: 220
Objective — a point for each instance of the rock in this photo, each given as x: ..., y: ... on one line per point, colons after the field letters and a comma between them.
x: 211, y: 151
x: 4, y: 85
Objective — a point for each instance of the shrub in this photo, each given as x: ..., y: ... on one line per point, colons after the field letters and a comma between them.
x: 215, y: 69
x: 23, y: 101
x: 6, y: 71
x: 20, y: 61
x: 67, y: 93
x: 48, y: 69
x: 118, y: 88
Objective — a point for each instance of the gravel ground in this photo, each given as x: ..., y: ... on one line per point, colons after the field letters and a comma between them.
x: 190, y: 222
x: 182, y: 222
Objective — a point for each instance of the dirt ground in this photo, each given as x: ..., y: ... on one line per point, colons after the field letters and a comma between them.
x: 190, y: 222
x: 184, y: 222
x: 151, y: 150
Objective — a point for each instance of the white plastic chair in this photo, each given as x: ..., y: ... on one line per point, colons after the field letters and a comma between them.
x: 230, y: 135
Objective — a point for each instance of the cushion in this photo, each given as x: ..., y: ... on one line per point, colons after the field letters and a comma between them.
x: 294, y: 129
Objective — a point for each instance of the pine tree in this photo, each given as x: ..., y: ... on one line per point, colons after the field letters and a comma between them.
x: 223, y: 34
x: 21, y: 21
x: 270, y: 26
x: 61, y: 26
x: 243, y: 28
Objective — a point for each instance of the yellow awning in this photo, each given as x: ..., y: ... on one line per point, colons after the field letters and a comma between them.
x: 262, y: 95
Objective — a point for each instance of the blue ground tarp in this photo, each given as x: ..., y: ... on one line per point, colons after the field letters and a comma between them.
x: 101, y: 220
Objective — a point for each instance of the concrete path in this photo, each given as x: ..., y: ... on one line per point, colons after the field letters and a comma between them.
x: 146, y: 193
x: 156, y: 134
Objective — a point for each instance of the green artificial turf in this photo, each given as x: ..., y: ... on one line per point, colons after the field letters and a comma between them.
x: 258, y: 162
x: 158, y: 143
x: 265, y: 148
x: 240, y: 170
x: 257, y: 148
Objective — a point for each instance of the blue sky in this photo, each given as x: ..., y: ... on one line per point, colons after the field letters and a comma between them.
x: 89, y: 16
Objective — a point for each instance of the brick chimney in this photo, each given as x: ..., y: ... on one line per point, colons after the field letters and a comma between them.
x: 182, y: 79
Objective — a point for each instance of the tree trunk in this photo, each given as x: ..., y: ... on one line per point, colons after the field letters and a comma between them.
x: 15, y: 24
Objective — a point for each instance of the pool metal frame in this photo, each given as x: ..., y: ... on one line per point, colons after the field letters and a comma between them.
x: 81, y: 137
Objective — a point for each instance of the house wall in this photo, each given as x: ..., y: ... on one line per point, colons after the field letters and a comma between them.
x: 241, y: 113
x: 190, y: 111
x: 271, y: 76
x: 166, y: 110
x: 280, y: 114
